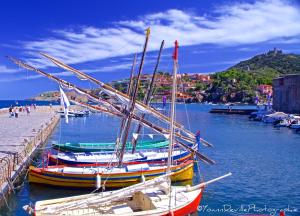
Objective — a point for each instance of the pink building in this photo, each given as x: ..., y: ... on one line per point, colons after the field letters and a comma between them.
x: 265, y: 89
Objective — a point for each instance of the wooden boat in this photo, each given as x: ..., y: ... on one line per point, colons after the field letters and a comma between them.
x: 152, y: 197
x: 150, y: 156
x: 95, y: 147
x: 74, y: 113
x: 114, y: 177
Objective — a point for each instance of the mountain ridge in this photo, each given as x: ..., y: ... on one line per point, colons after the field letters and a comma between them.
x: 274, y: 60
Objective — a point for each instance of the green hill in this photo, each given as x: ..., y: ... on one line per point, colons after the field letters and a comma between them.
x: 239, y: 82
x: 272, y: 62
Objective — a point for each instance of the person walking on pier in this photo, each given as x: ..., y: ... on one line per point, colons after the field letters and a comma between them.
x: 16, y: 112
x: 28, y: 110
x: 10, y: 110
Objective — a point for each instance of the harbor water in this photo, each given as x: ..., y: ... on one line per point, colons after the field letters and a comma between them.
x: 264, y: 161
x: 8, y: 103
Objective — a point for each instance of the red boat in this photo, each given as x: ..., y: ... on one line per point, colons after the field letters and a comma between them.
x: 153, y: 197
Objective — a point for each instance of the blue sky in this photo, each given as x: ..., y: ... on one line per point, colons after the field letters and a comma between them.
x: 100, y: 37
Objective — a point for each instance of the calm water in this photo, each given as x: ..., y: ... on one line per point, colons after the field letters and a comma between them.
x: 8, y: 103
x: 264, y: 161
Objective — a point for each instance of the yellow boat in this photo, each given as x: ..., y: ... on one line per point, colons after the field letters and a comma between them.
x: 115, y: 177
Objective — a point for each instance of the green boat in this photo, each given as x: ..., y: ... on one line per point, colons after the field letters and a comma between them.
x: 95, y: 147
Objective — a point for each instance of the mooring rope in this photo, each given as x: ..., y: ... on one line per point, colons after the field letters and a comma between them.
x: 5, y: 199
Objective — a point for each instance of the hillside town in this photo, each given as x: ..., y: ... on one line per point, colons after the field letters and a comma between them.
x: 192, y: 88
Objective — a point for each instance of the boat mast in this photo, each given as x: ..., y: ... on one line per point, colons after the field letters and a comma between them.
x: 124, y: 106
x: 148, y: 95
x: 173, y: 99
x: 131, y: 76
x: 129, y: 112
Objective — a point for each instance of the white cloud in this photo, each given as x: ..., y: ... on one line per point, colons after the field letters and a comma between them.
x: 5, y: 69
x: 30, y: 77
x: 294, y: 40
x: 67, y: 73
x: 235, y: 24
x: 247, y: 49
x: 225, y: 62
x: 110, y: 68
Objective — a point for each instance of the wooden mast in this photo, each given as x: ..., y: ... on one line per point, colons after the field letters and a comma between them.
x: 131, y: 76
x: 148, y: 95
x: 173, y: 100
x: 133, y: 101
x: 131, y: 82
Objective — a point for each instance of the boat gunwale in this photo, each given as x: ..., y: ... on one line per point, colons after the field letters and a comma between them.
x: 44, y: 171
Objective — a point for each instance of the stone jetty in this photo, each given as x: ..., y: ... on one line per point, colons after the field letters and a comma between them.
x: 19, y: 139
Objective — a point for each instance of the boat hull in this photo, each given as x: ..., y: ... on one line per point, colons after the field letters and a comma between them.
x: 188, y: 207
x: 55, y: 160
x: 295, y: 126
x: 182, y: 172
x: 94, y: 147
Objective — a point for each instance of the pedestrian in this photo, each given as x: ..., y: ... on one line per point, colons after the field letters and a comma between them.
x: 28, y: 110
x: 16, y: 112
x: 10, y: 110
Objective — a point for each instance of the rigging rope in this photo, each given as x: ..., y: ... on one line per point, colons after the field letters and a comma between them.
x: 5, y: 199
x: 185, y: 105
x: 59, y: 140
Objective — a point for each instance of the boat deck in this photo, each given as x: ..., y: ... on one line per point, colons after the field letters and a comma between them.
x: 233, y: 111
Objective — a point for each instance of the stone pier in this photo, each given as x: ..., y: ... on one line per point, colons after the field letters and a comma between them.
x: 19, y: 139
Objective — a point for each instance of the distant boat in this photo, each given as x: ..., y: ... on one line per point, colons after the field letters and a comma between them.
x: 95, y: 147
x: 271, y: 118
x: 259, y: 115
x: 295, y: 124
x: 74, y: 113
x: 160, y: 109
x: 282, y: 123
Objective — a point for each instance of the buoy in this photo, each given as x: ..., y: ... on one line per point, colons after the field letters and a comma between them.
x: 98, y: 182
x: 282, y: 213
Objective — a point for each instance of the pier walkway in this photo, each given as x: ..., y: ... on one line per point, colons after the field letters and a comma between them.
x: 19, y: 138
